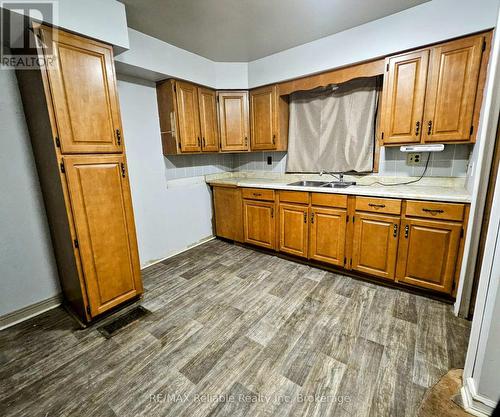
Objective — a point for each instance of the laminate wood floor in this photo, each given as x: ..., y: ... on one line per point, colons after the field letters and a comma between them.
x: 235, y: 332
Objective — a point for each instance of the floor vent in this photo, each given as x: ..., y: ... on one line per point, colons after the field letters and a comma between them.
x: 111, y: 328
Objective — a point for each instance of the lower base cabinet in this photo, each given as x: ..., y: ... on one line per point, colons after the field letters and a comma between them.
x: 228, y: 208
x: 375, y: 244
x: 428, y: 251
x: 328, y: 235
x: 259, y: 223
x: 293, y: 230
x: 416, y: 243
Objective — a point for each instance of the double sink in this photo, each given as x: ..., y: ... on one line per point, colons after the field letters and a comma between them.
x: 323, y: 184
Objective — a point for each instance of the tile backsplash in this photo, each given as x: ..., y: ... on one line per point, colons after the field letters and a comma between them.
x: 452, y: 162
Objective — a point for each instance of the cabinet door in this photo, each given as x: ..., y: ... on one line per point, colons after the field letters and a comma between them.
x: 188, y: 117
x: 233, y: 118
x: 451, y: 91
x: 102, y: 210
x: 403, y: 97
x: 208, y: 120
x: 263, y: 118
x: 83, y: 89
x: 259, y: 223
x: 228, y: 213
x: 375, y: 244
x: 327, y: 238
x: 428, y: 253
x: 293, y: 220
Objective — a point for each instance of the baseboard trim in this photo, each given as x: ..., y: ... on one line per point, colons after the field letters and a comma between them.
x: 25, y: 313
x: 202, y: 242
x: 475, y: 403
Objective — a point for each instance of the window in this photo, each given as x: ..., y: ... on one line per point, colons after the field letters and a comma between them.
x: 333, y: 128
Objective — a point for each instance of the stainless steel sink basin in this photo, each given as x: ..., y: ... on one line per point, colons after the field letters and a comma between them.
x: 323, y: 184
x: 309, y: 183
x: 338, y: 184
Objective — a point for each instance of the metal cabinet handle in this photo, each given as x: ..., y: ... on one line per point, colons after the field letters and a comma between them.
x: 305, y: 216
x: 395, y: 232
x: 312, y: 217
x: 437, y: 211
x: 429, y: 127
x: 376, y: 205
x: 199, y: 142
x: 203, y: 140
x: 246, y: 141
x: 274, y: 139
x: 417, y: 128
x: 118, y: 137
x: 407, y: 231
x: 272, y: 212
x: 257, y: 194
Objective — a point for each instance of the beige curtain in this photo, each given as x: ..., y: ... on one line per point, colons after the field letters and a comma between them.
x: 332, y: 129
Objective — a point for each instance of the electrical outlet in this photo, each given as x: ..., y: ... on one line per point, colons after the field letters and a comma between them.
x: 269, y: 160
x: 413, y: 158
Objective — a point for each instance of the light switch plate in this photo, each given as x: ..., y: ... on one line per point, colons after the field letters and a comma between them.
x: 413, y: 158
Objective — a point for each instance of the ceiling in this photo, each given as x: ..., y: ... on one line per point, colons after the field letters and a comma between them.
x: 245, y: 30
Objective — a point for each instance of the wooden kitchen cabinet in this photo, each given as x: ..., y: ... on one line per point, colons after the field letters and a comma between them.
x: 327, y: 235
x: 404, y: 94
x: 83, y: 173
x: 188, y: 117
x: 228, y: 213
x: 428, y: 252
x: 413, y: 242
x: 451, y: 90
x: 233, y: 121
x: 104, y: 225
x: 293, y: 229
x: 83, y: 86
x: 208, y: 120
x: 259, y: 223
x: 268, y: 119
x: 434, y: 95
x: 375, y: 244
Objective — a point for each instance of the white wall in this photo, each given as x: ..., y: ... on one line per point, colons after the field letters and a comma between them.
x: 28, y: 271
x: 427, y: 23
x: 481, y: 389
x: 170, y: 216
x: 104, y: 20
x: 434, y: 21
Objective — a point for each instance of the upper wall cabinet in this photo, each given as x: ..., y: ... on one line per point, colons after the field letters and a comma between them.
x: 268, y: 119
x: 83, y: 86
x: 434, y: 95
x: 208, y: 120
x: 188, y: 118
x: 233, y: 119
x: 404, y: 94
x: 451, y: 90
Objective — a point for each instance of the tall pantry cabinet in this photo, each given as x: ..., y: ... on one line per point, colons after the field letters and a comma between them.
x: 73, y: 115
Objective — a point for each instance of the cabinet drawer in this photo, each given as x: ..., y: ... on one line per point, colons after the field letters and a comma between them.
x: 329, y: 200
x: 434, y: 210
x: 300, y: 197
x: 378, y: 205
x: 258, y: 194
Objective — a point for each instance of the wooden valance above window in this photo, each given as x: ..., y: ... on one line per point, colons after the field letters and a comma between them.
x: 336, y: 76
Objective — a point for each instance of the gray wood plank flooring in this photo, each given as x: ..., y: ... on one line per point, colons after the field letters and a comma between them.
x: 235, y: 332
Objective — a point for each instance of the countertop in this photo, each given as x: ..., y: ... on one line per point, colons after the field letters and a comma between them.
x: 429, y: 188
